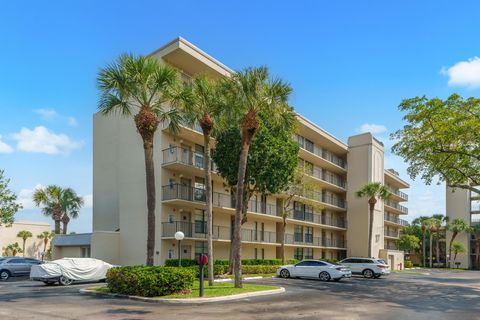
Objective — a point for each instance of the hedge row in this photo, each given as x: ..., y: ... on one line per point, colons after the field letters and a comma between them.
x: 219, y: 270
x: 150, y: 281
x: 189, y: 262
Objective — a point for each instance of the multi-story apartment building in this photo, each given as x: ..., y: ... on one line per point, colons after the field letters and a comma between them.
x: 330, y: 222
x: 464, y: 204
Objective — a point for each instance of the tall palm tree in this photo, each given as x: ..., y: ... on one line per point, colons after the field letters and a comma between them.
x: 438, y: 220
x: 430, y: 225
x: 455, y: 227
x: 204, y: 103
x: 250, y: 91
x: 421, y: 221
x: 71, y: 205
x: 475, y: 229
x: 141, y: 86
x: 373, y: 191
x: 51, y: 200
x: 24, y: 234
x: 45, y: 236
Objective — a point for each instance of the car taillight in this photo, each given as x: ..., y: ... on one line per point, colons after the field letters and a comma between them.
x: 381, y: 266
x: 339, y: 268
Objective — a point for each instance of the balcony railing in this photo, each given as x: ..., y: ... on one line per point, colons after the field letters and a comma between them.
x: 396, y: 206
x: 185, y: 156
x: 399, y: 193
x: 391, y: 246
x: 322, y: 197
x: 310, y: 240
x: 327, y: 155
x: 326, y: 176
x: 198, y: 230
x: 391, y: 233
x: 395, y: 220
x: 317, y: 218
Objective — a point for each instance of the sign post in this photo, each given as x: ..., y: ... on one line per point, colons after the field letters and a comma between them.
x: 202, y: 261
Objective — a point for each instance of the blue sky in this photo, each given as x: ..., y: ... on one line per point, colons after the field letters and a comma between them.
x: 349, y: 62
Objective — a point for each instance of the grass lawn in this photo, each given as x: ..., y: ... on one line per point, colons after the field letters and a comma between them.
x: 218, y: 290
x: 221, y: 289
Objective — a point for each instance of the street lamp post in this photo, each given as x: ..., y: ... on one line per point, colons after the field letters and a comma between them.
x: 179, y: 236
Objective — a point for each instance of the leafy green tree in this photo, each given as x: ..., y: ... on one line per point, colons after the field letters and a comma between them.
x: 8, y: 201
x: 440, y: 139
x: 272, y: 159
x: 373, y: 191
x: 45, y: 236
x: 408, y: 242
x: 142, y: 86
x: 24, y: 234
x: 455, y: 227
x: 457, y: 248
x: 204, y: 103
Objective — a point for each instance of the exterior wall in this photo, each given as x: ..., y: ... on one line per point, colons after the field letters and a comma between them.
x: 33, y: 246
x: 458, y: 206
x: 105, y: 246
x: 394, y: 258
x: 365, y: 160
x: 67, y: 252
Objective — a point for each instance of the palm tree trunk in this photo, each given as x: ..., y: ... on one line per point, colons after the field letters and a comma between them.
x: 57, y: 217
x: 23, y: 248
x: 151, y: 197
x: 236, y: 245
x: 437, y: 247
x: 371, y: 203
x: 208, y: 190
x: 430, y: 250
x: 454, y: 235
x: 424, y: 249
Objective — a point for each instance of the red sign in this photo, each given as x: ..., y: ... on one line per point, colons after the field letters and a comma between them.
x: 205, y: 260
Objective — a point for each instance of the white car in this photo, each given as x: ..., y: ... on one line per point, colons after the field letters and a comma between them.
x: 323, y: 270
x: 67, y: 270
x: 368, y: 267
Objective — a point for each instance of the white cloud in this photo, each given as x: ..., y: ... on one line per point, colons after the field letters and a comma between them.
x: 46, y: 114
x: 88, y: 201
x: 72, y: 122
x: 373, y: 128
x: 464, y: 73
x: 5, y: 148
x: 42, y: 140
x: 25, y: 197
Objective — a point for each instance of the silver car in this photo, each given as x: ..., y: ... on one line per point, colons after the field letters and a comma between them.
x: 16, y: 267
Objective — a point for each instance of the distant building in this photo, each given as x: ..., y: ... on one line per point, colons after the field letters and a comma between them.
x: 71, y: 246
x: 33, y: 246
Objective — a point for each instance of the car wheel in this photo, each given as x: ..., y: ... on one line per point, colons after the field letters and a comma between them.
x: 64, y: 281
x: 284, y: 273
x: 324, y: 276
x: 367, y: 273
x: 4, y: 275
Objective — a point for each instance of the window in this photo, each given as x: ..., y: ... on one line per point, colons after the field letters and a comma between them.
x: 308, y: 254
x: 16, y: 261
x: 255, y: 253
x: 304, y: 264
x: 323, y: 254
x: 308, y: 213
x: 200, y: 221
x: 171, y: 254
x: 200, y: 247
x: 85, y: 252
x: 298, y: 236
x: 171, y: 218
x: 300, y: 140
x: 298, y: 253
x: 308, y: 168
x: 298, y: 210
x: 309, y: 145
x: 199, y: 151
x: 309, y: 234
x: 199, y: 189
x: 263, y: 254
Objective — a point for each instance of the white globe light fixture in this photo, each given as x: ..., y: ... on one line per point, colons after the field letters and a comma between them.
x: 179, y: 235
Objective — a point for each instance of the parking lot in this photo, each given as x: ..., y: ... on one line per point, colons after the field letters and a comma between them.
x: 436, y: 295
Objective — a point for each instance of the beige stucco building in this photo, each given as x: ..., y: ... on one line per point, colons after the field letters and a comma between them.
x: 463, y: 204
x: 336, y: 230
x: 33, y: 246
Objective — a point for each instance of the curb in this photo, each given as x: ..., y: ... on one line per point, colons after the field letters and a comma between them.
x: 187, y: 301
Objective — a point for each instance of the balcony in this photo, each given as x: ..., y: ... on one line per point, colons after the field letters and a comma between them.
x: 395, y: 220
x: 184, y: 156
x: 397, y: 206
x: 198, y: 230
x: 391, y: 234
x: 220, y: 200
x: 390, y: 246
x: 319, y: 219
x: 322, y: 197
x: 310, y: 240
x: 326, y: 176
x: 399, y: 193
x: 309, y: 146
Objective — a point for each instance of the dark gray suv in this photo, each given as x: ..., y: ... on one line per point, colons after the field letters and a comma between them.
x: 16, y: 267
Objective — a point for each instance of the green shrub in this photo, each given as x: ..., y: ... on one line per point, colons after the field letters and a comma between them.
x: 408, y: 264
x: 184, y: 263
x: 149, y: 281
x: 257, y: 269
x: 245, y: 262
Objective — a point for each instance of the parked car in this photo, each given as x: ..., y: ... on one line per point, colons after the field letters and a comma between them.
x: 68, y: 270
x: 16, y: 267
x: 368, y: 267
x: 323, y: 270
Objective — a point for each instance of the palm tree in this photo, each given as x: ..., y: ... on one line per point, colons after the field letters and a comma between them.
x: 455, y: 227
x: 45, y: 236
x: 24, y: 234
x: 438, y: 220
x: 50, y: 197
x: 250, y: 91
x: 430, y: 225
x: 457, y: 248
x: 141, y: 86
x: 71, y: 204
x: 423, y: 225
x: 372, y: 191
x: 205, y: 104
x: 13, y: 249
